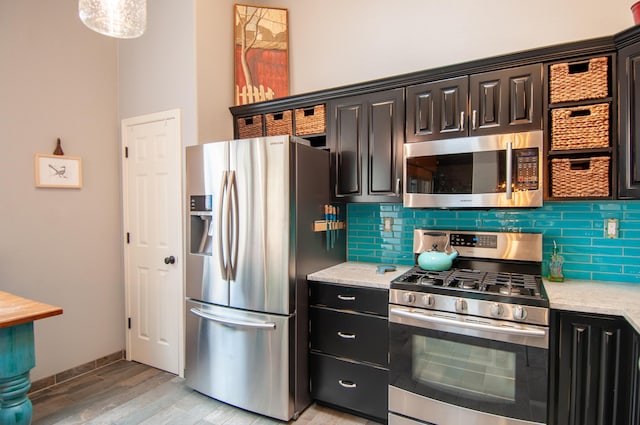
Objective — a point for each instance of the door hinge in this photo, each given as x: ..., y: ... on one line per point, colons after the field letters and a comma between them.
x: 126, y: 151
x: 129, y: 322
x: 128, y: 237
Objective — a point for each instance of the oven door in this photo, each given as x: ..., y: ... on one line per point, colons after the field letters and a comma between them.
x: 488, y: 171
x: 471, y: 368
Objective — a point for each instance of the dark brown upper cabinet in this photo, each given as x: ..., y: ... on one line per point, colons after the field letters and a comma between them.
x: 629, y: 139
x: 503, y: 101
x: 365, y: 137
x: 437, y: 110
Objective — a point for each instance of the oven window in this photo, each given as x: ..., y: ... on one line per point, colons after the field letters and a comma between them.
x: 474, y: 372
x: 467, y: 370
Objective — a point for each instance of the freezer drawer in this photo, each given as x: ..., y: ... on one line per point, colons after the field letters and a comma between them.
x: 240, y: 358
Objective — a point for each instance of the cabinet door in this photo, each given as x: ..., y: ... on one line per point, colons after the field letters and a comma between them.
x: 629, y: 143
x: 437, y: 110
x: 635, y: 385
x: 365, y: 134
x: 385, y: 140
x: 346, y: 127
x: 593, y: 381
x: 507, y: 100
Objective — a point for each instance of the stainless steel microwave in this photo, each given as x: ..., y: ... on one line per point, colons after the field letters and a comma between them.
x: 502, y: 171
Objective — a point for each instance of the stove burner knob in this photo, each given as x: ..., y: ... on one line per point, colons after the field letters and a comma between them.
x: 409, y: 298
x: 519, y: 313
x: 461, y: 305
x: 496, y: 310
x: 427, y: 300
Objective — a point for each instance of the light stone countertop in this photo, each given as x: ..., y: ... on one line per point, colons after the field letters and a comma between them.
x: 358, y: 274
x: 619, y: 299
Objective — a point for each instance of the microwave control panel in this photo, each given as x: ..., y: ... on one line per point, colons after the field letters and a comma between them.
x: 526, y: 177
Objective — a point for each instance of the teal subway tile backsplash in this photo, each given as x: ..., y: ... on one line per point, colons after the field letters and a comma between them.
x: 578, y: 228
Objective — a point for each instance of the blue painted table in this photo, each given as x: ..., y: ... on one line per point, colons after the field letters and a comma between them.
x: 17, y: 356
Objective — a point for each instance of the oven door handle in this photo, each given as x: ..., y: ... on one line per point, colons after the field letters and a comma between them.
x: 469, y: 325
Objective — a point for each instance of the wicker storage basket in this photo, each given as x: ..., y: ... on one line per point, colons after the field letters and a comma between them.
x: 279, y: 123
x: 583, y: 127
x: 310, y: 120
x: 250, y: 127
x: 579, y: 80
x: 576, y: 178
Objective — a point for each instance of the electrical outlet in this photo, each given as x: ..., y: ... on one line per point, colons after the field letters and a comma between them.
x: 388, y: 222
x: 611, y: 224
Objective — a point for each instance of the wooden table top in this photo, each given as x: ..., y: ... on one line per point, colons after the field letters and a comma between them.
x: 15, y: 310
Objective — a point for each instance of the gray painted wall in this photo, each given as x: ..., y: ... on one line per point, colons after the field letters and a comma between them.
x: 61, y: 246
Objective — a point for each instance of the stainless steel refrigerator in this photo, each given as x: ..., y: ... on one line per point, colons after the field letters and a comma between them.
x: 251, y: 209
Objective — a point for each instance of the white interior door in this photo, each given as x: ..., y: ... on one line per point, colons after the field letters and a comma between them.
x: 153, y: 239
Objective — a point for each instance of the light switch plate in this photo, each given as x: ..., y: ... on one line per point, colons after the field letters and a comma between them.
x: 611, y: 224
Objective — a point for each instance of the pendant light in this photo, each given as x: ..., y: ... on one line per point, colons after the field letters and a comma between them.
x: 115, y: 18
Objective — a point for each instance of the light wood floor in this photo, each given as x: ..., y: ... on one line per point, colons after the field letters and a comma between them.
x: 128, y: 393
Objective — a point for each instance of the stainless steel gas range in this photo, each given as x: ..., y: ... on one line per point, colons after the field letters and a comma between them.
x: 470, y: 345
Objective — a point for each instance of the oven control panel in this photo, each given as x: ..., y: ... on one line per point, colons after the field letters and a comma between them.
x: 474, y: 240
x: 480, y: 244
x: 476, y: 308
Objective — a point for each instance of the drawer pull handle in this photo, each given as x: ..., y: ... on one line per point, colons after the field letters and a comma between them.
x: 347, y: 384
x: 346, y: 297
x: 346, y: 336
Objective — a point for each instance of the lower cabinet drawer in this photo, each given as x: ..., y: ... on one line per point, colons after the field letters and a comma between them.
x: 358, y: 336
x: 350, y: 385
x: 344, y: 297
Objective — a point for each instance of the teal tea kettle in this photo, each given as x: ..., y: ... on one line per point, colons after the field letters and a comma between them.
x: 435, y: 260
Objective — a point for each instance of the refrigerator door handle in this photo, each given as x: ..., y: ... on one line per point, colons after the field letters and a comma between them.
x: 234, y: 225
x: 221, y: 256
x: 233, y: 322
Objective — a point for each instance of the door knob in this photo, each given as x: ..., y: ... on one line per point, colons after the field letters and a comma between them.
x: 170, y: 260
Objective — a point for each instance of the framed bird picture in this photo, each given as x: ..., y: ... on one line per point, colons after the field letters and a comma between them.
x: 58, y: 171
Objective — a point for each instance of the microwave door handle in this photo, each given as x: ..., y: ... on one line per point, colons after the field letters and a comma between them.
x: 468, y: 325
x: 221, y: 256
x: 509, y: 188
